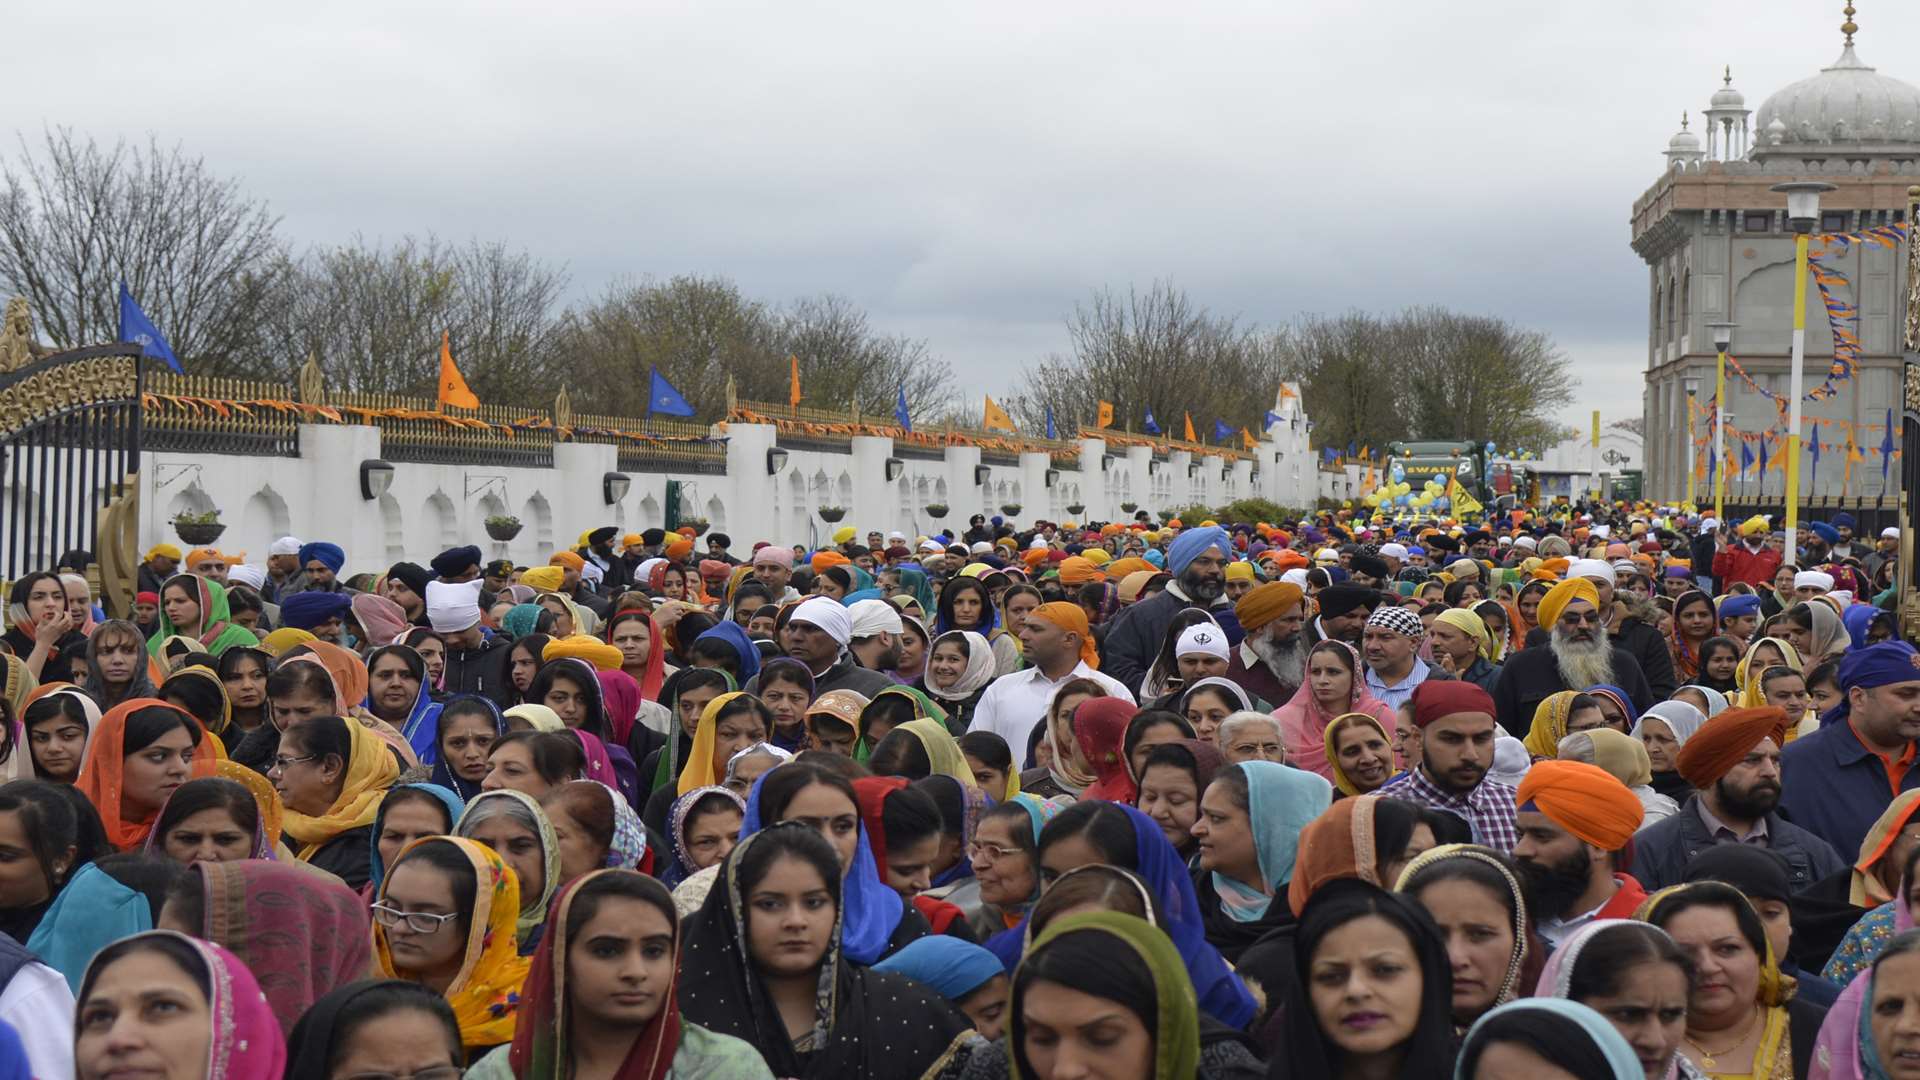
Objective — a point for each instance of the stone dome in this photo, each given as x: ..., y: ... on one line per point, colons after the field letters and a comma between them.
x: 1684, y: 141
x: 1727, y: 97
x: 1848, y: 106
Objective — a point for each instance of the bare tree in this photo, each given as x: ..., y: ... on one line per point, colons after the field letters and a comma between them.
x: 373, y: 316
x: 199, y: 255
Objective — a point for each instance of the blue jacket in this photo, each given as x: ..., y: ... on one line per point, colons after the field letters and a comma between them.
x: 1834, y: 787
x: 1662, y: 850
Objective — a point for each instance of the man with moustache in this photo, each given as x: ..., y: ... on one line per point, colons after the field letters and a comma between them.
x: 1344, y: 611
x: 1578, y: 654
x: 1455, y: 721
x: 1271, y: 661
x: 1734, y: 763
x: 1845, y: 775
x: 1574, y: 820
x: 1198, y: 561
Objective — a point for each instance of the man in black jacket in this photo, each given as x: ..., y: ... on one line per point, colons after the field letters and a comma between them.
x: 476, y: 663
x: 1577, y: 655
x: 1633, y: 624
x: 1198, y: 561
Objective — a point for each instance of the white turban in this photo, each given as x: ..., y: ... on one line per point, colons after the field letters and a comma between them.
x: 1815, y: 579
x: 286, y: 545
x: 826, y: 614
x: 870, y: 617
x: 1590, y: 568
x: 253, y: 577
x: 1393, y: 551
x: 452, y: 608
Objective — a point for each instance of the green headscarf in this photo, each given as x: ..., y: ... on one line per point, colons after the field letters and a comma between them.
x: 218, y: 632
x: 1176, y: 1030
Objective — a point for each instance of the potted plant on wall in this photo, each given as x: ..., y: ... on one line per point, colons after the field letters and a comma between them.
x: 936, y: 511
x: 1010, y: 509
x: 503, y: 527
x: 831, y: 514
x: 1076, y: 509
x: 1129, y: 507
x: 198, y: 528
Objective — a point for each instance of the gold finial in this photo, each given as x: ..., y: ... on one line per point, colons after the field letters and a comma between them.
x: 1683, y: 121
x: 1849, y: 28
x: 1729, y: 79
x: 312, y: 381
x: 562, y: 409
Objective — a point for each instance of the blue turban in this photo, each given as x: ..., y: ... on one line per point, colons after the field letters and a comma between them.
x: 1825, y: 532
x: 1733, y: 607
x: 1157, y: 557
x: 306, y: 610
x: 1874, y: 666
x: 323, y: 552
x: 952, y: 967
x: 1843, y: 520
x: 453, y: 562
x: 1191, y: 542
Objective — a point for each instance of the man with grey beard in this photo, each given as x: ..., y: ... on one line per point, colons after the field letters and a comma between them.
x: 1198, y: 559
x: 1271, y: 661
x: 1578, y: 655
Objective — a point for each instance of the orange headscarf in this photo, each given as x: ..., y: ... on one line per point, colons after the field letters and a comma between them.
x: 1072, y: 618
x: 348, y: 671
x: 1337, y: 844
x: 102, y: 773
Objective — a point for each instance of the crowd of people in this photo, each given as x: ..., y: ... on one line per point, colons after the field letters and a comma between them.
x: 1605, y: 792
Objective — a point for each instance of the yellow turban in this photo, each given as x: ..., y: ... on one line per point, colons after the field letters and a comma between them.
x: 544, y: 578
x: 1239, y: 571
x: 843, y: 534
x: 165, y: 551
x: 1096, y: 556
x: 632, y: 542
x: 1753, y: 526
x: 602, y: 656
x: 1558, y: 597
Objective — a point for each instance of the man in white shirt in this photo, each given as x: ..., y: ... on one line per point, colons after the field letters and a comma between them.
x: 1390, y: 643
x: 1059, y: 646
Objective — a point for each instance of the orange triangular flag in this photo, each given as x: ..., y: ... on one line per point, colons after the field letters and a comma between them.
x: 1106, y: 415
x: 1246, y: 439
x: 453, y: 388
x: 793, y: 390
x: 1191, y: 437
x: 997, y: 418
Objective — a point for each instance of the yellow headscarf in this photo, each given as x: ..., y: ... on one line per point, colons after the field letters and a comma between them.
x: 699, y: 771
x: 283, y: 639
x: 485, y: 993
x: 1473, y: 625
x: 1748, y: 693
x: 1775, y: 988
x: 539, y: 717
x: 1340, y: 779
x: 943, y: 750
x: 370, y: 771
x: 1867, y: 891
x: 1550, y: 724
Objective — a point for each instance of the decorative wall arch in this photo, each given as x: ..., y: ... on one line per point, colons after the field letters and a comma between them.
x: 843, y: 490
x: 538, y: 513
x: 436, y: 529
x: 716, y: 514
x: 264, y: 517
x: 392, y: 528
x: 649, y: 513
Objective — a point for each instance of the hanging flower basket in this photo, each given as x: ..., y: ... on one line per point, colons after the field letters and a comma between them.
x: 503, y: 528
x: 936, y: 511
x: 199, y: 530
x: 698, y: 525
x: 1129, y: 507
x: 831, y: 514
x: 1076, y: 509
x: 1010, y: 509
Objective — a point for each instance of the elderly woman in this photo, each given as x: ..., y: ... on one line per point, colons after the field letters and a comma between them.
x: 1251, y: 736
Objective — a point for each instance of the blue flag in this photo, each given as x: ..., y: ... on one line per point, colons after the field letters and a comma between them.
x: 1050, y: 433
x: 1886, y: 447
x: 1327, y: 454
x: 900, y: 412
x: 1153, y: 426
x: 1353, y: 448
x: 1271, y: 419
x: 1221, y: 430
x: 1814, y: 449
x: 1763, y: 457
x: 135, y: 326
x: 1746, y: 457
x: 663, y: 398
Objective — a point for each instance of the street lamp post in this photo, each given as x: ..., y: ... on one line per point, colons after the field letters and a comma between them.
x: 1722, y: 338
x: 1803, y: 213
x: 1692, y: 387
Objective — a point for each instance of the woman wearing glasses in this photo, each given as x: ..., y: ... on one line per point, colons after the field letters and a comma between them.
x: 332, y: 774
x: 445, y: 919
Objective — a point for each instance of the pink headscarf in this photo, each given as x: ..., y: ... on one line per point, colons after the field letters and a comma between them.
x: 384, y: 621
x: 1836, y: 1053
x: 599, y: 765
x: 247, y: 1042
x: 620, y: 700
x: 1303, y: 723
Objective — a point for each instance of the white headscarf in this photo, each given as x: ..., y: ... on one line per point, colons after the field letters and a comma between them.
x: 979, y: 672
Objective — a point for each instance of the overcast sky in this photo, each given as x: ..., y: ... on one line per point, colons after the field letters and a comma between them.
x: 968, y: 172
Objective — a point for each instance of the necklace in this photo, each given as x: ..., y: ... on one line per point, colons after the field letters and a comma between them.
x: 1707, y: 1056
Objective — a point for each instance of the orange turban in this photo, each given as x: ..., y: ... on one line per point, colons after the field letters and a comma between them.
x: 1585, y: 800
x: 823, y: 560
x: 678, y: 550
x: 1285, y: 559
x: 1264, y: 603
x: 570, y: 560
x: 1558, y: 597
x: 1073, y: 619
x: 200, y: 555
x: 1076, y: 570
x: 1726, y: 740
x: 1033, y: 557
x: 1120, y: 568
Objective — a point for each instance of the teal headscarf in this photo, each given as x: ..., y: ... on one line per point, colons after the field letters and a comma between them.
x: 519, y: 621
x: 1612, y: 1045
x: 1281, y: 801
x: 92, y: 912
x: 914, y: 580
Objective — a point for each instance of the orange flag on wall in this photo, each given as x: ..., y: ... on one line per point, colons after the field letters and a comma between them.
x: 1247, y: 440
x: 1191, y: 437
x: 1106, y: 415
x: 453, y: 388
x: 997, y: 418
x: 793, y: 390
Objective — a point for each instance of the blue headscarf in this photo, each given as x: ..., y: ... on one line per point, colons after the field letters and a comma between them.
x: 1157, y: 557
x: 92, y: 912
x: 1191, y: 542
x: 989, y: 614
x: 421, y: 728
x: 442, y: 772
x: 731, y: 633
x: 1621, y: 696
x: 1612, y: 1045
x: 870, y: 910
x: 454, y: 804
x: 952, y: 967
x: 1222, y: 995
x: 1281, y: 800
x: 1859, y: 620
